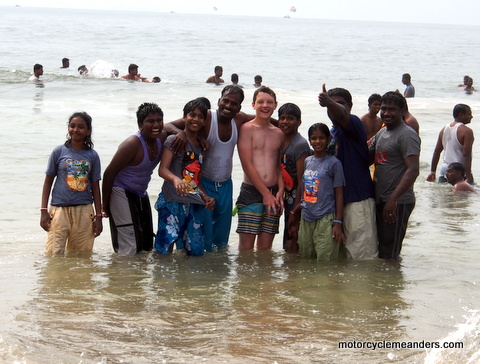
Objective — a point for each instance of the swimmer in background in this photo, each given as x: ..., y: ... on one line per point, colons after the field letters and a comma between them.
x: 411, y: 120
x: 456, y: 140
x: 455, y: 175
x: 83, y: 70
x: 37, y: 72
x: 234, y: 80
x: 156, y: 79
x: 217, y: 77
x: 371, y: 120
x: 133, y: 74
x: 469, y: 86
x: 257, y: 81
x: 465, y: 79
x: 409, y: 90
x: 65, y: 63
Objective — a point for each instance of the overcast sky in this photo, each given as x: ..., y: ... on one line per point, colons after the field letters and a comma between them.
x: 416, y: 11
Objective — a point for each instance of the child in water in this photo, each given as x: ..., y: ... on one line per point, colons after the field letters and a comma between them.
x: 320, y: 232
x: 75, y: 167
x: 181, y: 203
x: 294, y: 151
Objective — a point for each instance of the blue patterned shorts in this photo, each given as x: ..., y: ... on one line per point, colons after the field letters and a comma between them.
x: 179, y: 223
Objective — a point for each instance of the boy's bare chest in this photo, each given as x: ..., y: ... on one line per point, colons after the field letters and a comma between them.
x: 265, y: 140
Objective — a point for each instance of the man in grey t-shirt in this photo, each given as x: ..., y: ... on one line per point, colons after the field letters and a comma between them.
x: 396, y: 151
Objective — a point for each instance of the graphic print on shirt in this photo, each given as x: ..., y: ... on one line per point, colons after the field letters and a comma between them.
x: 311, y: 183
x: 191, y: 171
x: 290, y: 192
x: 77, y: 174
x: 380, y: 157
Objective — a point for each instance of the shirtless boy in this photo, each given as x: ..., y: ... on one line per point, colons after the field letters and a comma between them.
x: 260, y: 201
x: 371, y: 120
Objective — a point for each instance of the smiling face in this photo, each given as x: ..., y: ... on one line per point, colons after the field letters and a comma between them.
x: 288, y: 124
x: 229, y: 105
x: 391, y: 114
x: 319, y: 142
x: 78, y: 130
x: 194, y: 120
x: 264, y: 105
x: 152, y: 126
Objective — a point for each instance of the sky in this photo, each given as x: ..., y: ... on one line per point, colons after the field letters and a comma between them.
x: 466, y: 12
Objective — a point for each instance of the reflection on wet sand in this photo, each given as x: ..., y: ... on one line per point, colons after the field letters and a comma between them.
x: 253, y: 306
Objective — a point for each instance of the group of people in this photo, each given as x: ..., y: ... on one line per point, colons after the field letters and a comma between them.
x: 83, y: 71
x: 323, y: 187
x: 218, y: 80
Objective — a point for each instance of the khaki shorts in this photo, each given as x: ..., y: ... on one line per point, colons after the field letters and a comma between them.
x: 360, y: 229
x: 71, y: 229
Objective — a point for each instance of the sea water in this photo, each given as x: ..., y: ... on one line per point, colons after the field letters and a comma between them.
x: 264, y: 307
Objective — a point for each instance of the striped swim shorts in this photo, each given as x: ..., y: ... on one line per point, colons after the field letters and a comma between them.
x: 252, y: 219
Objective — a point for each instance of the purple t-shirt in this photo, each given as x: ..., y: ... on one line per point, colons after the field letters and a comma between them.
x: 136, y: 178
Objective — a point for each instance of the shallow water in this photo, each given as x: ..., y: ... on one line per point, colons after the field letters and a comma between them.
x: 227, y: 307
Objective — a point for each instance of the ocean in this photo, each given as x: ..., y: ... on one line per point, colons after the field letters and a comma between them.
x: 262, y: 307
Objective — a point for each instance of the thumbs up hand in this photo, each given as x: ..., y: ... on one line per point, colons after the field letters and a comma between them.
x: 323, y: 97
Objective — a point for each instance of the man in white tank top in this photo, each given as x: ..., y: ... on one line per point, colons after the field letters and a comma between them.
x: 456, y: 139
x: 221, y: 130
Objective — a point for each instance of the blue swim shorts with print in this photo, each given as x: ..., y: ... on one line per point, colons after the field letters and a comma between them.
x: 179, y: 223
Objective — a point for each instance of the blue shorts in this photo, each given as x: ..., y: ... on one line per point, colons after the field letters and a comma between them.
x: 179, y: 223
x: 217, y: 222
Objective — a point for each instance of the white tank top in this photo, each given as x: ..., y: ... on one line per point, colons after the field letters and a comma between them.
x: 218, y: 162
x: 453, y: 150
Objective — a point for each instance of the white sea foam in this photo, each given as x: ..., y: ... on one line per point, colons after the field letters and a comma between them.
x: 466, y: 333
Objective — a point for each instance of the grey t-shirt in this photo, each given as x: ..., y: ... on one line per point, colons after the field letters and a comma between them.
x: 295, y: 149
x: 320, y: 177
x: 75, y: 171
x: 391, y: 148
x: 185, y: 165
